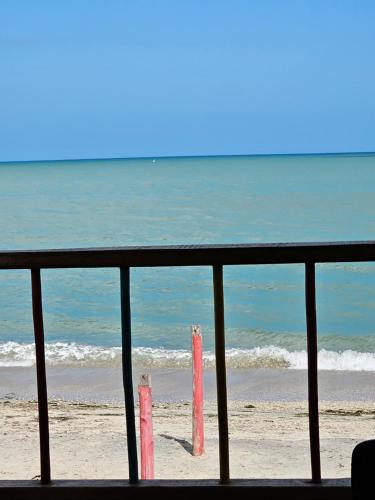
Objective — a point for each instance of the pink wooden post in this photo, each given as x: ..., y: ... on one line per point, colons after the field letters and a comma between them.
x: 198, y: 424
x: 147, y: 437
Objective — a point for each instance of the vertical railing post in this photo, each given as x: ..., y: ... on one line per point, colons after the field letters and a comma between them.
x: 221, y: 374
x: 127, y: 374
x: 312, y: 371
x: 36, y: 290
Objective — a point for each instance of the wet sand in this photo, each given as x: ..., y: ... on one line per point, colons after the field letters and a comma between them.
x: 104, y: 385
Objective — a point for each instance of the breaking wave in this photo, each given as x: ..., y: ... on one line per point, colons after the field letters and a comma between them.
x: 72, y: 354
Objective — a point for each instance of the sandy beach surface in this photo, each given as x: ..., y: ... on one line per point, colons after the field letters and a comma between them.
x: 267, y: 440
x: 268, y: 425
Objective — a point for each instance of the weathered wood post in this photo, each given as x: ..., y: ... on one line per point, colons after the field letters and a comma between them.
x: 146, y: 431
x: 198, y: 423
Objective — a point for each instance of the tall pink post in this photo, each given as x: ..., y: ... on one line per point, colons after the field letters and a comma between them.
x: 198, y: 423
x: 146, y: 431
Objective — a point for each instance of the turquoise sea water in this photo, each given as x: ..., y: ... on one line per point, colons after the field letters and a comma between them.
x: 190, y: 201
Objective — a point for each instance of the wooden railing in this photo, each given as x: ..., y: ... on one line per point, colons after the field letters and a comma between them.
x: 216, y: 256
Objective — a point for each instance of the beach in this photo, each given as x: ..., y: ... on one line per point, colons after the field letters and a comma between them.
x: 268, y: 424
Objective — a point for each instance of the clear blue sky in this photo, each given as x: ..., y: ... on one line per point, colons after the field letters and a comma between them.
x: 86, y: 79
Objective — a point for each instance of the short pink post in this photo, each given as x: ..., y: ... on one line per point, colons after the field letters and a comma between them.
x: 198, y: 424
x: 147, y: 437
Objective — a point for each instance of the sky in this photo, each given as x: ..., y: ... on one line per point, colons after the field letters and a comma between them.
x: 102, y: 79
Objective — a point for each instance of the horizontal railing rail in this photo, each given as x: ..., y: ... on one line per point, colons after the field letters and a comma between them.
x: 216, y: 256
x: 240, y: 489
x: 190, y: 255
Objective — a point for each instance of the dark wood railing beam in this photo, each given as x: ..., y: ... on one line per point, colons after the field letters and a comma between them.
x: 193, y: 255
x: 312, y: 371
x: 221, y: 374
x: 204, y: 489
x: 127, y: 374
x: 36, y: 291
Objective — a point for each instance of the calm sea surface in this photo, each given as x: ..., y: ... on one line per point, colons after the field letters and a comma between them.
x: 189, y: 201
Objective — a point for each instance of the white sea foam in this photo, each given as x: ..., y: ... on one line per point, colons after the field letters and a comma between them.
x: 69, y: 354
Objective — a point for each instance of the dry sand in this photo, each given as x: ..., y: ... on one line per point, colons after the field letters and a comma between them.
x: 269, y: 440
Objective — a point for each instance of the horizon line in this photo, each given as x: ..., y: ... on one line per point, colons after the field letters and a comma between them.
x: 167, y: 157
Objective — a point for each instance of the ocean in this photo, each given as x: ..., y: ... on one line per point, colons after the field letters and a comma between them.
x: 190, y: 200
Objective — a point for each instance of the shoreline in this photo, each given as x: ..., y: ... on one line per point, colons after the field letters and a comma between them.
x: 104, y: 385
